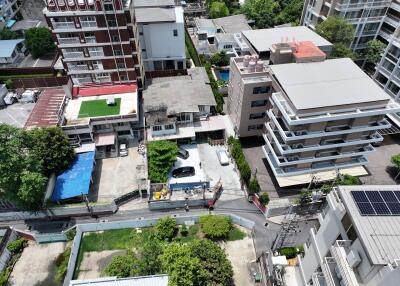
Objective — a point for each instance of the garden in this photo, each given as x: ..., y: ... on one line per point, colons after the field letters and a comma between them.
x: 190, y: 254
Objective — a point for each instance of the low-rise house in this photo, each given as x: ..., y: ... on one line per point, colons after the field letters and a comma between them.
x: 179, y: 108
x: 11, y: 52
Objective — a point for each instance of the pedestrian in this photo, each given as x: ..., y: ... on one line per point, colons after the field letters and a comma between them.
x: 186, y: 207
x: 200, y: 164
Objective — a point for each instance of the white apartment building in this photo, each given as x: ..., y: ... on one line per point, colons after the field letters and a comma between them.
x: 357, y: 242
x: 9, y: 9
x: 160, y: 36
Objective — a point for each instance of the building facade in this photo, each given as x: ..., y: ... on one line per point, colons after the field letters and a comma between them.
x: 355, y: 244
x: 9, y: 9
x: 95, y: 39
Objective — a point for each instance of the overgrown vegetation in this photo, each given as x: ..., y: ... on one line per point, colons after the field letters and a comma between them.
x: 192, y: 50
x: 373, y: 54
x: 27, y: 157
x: 62, y: 265
x: 7, y: 34
x: 17, y: 245
x: 264, y: 198
x: 166, y: 228
x: 161, y: 157
x: 291, y: 252
x: 39, y: 41
x: 215, y: 226
x: 218, y: 9
x: 220, y: 59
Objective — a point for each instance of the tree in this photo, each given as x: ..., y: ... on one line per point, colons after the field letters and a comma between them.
x: 149, y: 254
x: 7, y: 34
x: 217, y: 269
x: 291, y: 13
x: 254, y: 186
x: 395, y: 159
x: 122, y: 266
x: 336, y: 30
x: 161, y: 156
x: 182, y: 267
x: 32, y: 190
x: 9, y: 84
x: 166, y: 228
x: 220, y: 59
x: 39, y: 41
x: 349, y: 180
x: 215, y: 226
x: 374, y: 50
x: 341, y: 51
x: 261, y: 11
x: 218, y: 10
x: 52, y: 148
x: 264, y: 198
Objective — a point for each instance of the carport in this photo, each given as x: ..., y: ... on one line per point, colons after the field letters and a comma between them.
x: 106, y: 145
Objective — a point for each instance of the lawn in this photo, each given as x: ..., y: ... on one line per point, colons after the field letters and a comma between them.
x: 93, y: 108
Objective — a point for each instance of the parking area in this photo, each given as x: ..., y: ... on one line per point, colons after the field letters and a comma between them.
x: 16, y: 114
x: 114, y: 177
x: 36, y: 266
x: 215, y: 172
x: 381, y: 170
x: 44, y: 61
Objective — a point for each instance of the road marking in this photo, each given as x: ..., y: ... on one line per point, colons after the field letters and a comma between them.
x: 36, y: 62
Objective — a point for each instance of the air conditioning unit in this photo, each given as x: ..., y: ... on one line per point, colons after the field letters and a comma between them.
x: 353, y: 258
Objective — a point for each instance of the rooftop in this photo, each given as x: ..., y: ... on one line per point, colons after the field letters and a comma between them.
x: 48, y: 109
x: 263, y: 39
x: 179, y: 94
x: 380, y: 235
x: 158, y: 14
x: 155, y: 280
x: 153, y: 3
x: 221, y: 37
x: 27, y: 24
x: 7, y: 47
x: 335, y: 82
x: 233, y: 24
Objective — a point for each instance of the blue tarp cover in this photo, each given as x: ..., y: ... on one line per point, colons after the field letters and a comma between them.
x: 76, y: 180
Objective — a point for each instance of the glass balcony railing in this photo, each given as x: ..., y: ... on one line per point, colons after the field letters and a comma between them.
x: 68, y: 40
x: 87, y: 24
x: 73, y: 55
x: 63, y: 25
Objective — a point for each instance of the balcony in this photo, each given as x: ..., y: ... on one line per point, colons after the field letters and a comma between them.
x: 96, y: 53
x: 73, y: 55
x: 78, y: 67
x: 90, y: 39
x: 64, y: 25
x: 338, y: 250
x: 68, y: 41
x: 88, y: 24
x: 367, y: 4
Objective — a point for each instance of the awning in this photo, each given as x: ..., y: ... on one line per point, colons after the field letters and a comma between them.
x: 105, y: 139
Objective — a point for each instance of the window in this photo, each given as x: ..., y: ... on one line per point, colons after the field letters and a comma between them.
x: 169, y: 126
x: 115, y: 38
x: 112, y: 23
x: 227, y: 47
x: 254, y: 127
x: 158, y: 65
x: 124, y: 78
x: 257, y: 115
x: 180, y: 65
x: 183, y: 117
x: 140, y: 33
x: 143, y: 50
x: 157, y: 128
x: 121, y: 65
x: 257, y: 103
x: 108, y: 7
x: 118, y: 52
x: 175, y: 33
x: 88, y: 19
x: 260, y: 89
x: 201, y: 108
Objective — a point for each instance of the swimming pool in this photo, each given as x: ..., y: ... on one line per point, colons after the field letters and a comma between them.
x: 224, y: 75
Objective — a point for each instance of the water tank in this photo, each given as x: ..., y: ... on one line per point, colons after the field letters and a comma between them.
x: 254, y: 58
x: 252, y: 66
x: 246, y: 60
x: 260, y: 66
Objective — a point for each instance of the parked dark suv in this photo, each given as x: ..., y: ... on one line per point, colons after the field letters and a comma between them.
x: 183, y: 172
x: 183, y: 154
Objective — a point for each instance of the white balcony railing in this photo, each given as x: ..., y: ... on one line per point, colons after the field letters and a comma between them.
x: 90, y: 39
x: 78, y: 68
x: 63, y: 25
x: 96, y: 54
x: 73, y: 55
x: 87, y: 24
x: 339, y: 253
x: 68, y: 40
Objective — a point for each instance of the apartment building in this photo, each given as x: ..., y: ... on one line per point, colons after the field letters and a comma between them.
x: 95, y: 39
x: 9, y: 9
x: 159, y: 37
x: 250, y: 84
x: 357, y: 241
x: 324, y: 116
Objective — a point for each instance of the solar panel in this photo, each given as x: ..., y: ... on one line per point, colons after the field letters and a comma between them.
x: 384, y: 203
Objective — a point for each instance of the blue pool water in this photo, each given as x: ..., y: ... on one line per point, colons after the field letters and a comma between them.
x: 224, y: 74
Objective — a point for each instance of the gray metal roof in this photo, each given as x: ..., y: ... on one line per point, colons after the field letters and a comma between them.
x: 154, y: 15
x: 156, y: 280
x: 225, y: 37
x: 233, y: 24
x: 7, y: 47
x: 179, y: 94
x: 336, y: 82
x: 153, y: 3
x: 263, y: 39
x: 380, y: 235
x: 27, y: 24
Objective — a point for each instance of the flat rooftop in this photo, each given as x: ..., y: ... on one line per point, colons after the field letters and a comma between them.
x: 159, y: 14
x: 233, y: 24
x: 263, y: 39
x: 329, y: 83
x: 16, y: 114
x: 153, y: 3
x: 379, y: 234
x: 48, y: 109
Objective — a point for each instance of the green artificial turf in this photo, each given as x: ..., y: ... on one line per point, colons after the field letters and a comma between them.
x: 94, y: 108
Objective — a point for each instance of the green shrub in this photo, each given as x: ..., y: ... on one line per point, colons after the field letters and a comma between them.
x: 161, y: 156
x: 192, y: 50
x: 62, y: 265
x: 238, y: 156
x: 349, y: 180
x: 236, y: 234
x: 264, y: 198
x: 9, y: 84
x: 215, y: 226
x: 4, y: 276
x: 17, y: 245
x: 166, y: 228
x: 220, y: 59
x: 122, y: 266
x: 70, y: 234
x: 289, y: 252
x: 184, y: 230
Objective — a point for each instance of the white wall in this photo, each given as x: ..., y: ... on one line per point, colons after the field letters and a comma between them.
x: 163, y: 131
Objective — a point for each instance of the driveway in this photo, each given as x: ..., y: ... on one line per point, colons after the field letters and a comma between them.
x: 214, y: 172
x: 36, y: 266
x: 114, y: 177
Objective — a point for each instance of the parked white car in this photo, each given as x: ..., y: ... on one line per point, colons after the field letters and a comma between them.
x: 123, y: 151
x: 223, y: 157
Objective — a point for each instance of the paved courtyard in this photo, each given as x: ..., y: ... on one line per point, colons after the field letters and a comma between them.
x: 94, y: 262
x: 36, y: 266
x: 114, y: 177
x: 16, y: 114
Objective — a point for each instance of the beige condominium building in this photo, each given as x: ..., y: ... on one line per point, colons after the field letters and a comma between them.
x: 250, y: 80
x: 324, y: 116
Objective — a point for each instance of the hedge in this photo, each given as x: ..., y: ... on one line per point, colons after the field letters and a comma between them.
x: 192, y: 50
x: 243, y: 166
